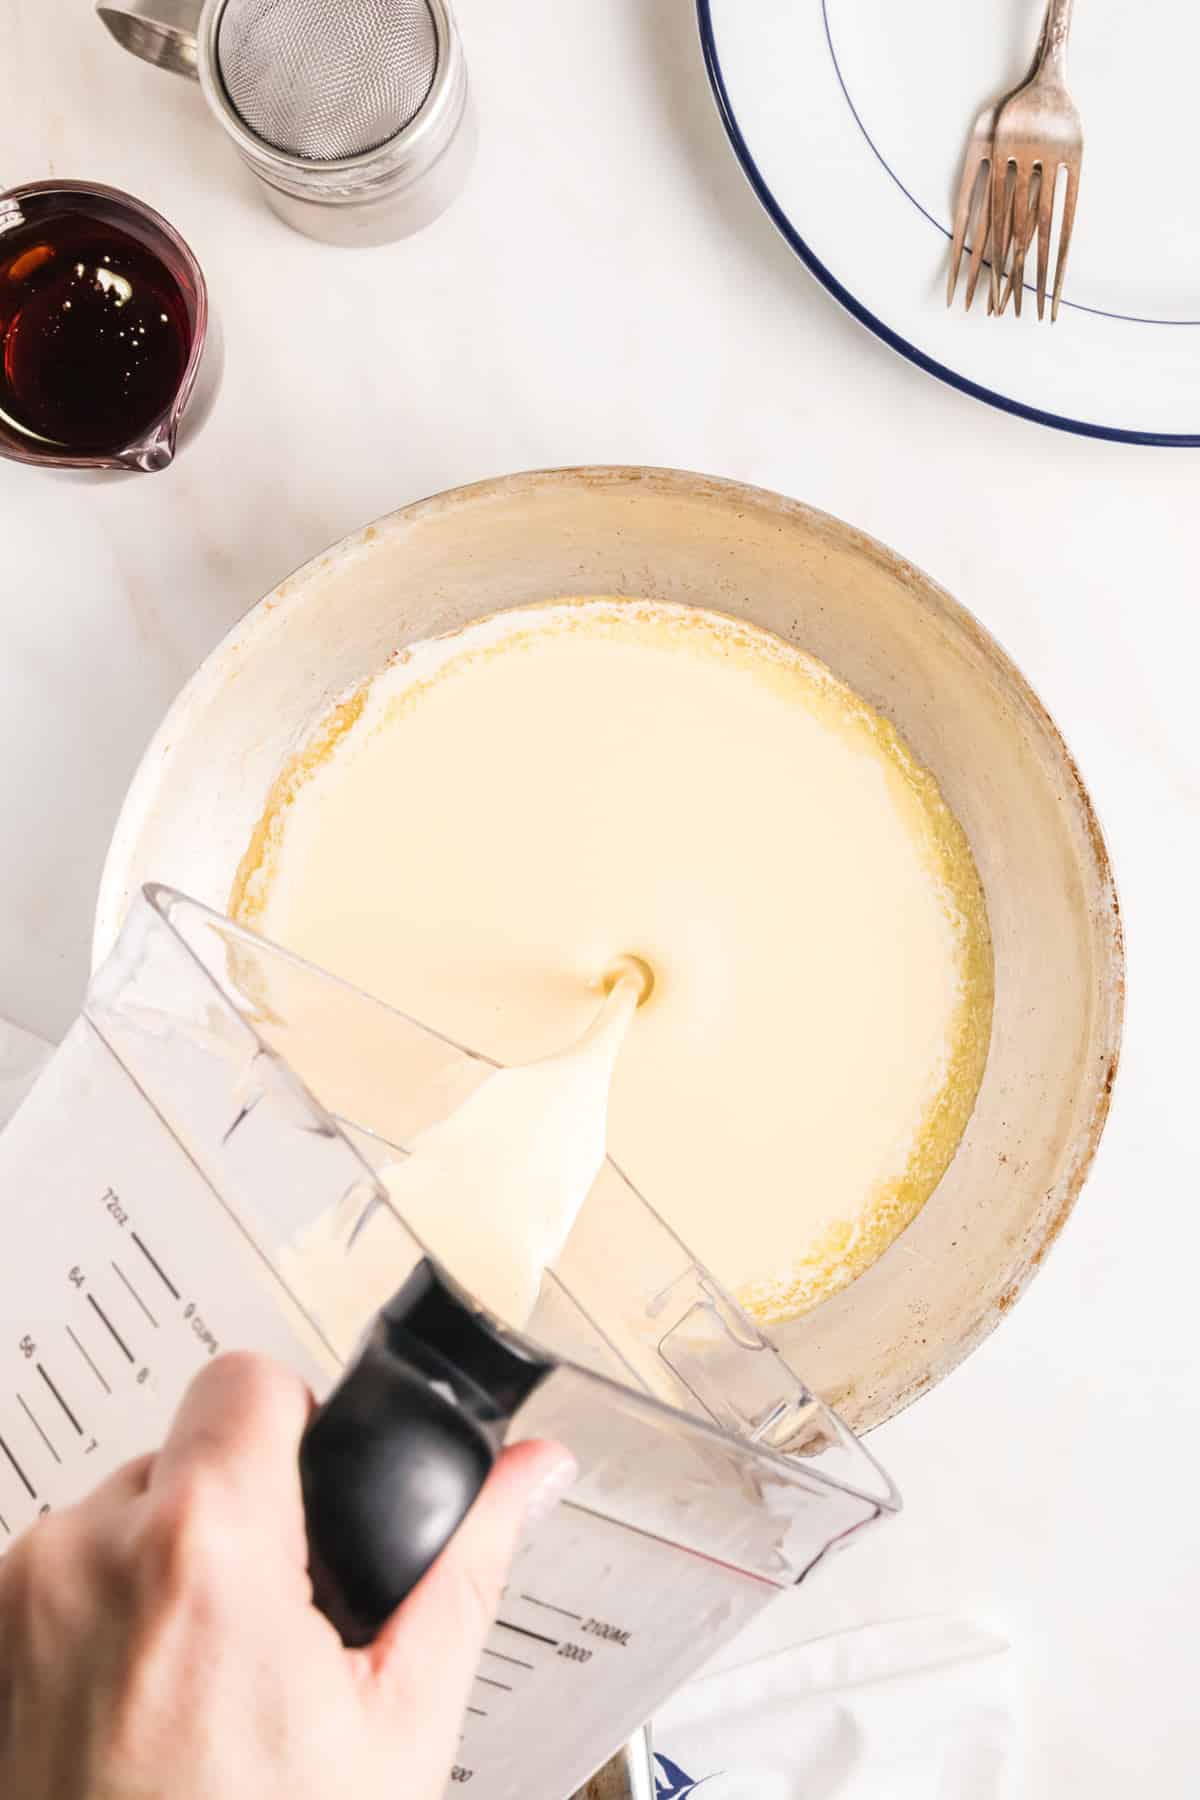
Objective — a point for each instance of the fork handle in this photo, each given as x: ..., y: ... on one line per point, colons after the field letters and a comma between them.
x: 1055, y: 32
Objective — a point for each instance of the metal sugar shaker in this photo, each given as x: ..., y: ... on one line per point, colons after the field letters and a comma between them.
x: 355, y: 117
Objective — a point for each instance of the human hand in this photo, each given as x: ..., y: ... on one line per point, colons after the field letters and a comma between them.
x: 159, y: 1642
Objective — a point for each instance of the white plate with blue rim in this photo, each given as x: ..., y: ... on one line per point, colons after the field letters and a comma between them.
x: 850, y: 118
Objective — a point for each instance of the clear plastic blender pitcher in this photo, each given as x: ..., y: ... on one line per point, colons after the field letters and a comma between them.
x: 215, y: 1099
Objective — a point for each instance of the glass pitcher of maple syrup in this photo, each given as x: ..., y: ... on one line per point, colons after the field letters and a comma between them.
x: 104, y: 327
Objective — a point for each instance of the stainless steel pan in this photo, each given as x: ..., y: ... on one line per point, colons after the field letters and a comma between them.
x: 896, y: 638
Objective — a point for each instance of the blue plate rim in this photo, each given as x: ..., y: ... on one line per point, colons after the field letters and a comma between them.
x: 855, y: 307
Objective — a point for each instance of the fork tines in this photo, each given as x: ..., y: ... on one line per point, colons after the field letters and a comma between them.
x: 1022, y: 207
x: 971, y: 211
x: 1016, y: 153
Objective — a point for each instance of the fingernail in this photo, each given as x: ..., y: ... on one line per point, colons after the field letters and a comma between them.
x: 556, y: 1484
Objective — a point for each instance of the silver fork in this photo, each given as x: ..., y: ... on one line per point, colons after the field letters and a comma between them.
x: 1038, y: 132
x: 972, y: 210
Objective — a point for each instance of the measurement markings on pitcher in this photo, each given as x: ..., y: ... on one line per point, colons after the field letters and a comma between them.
x: 115, y: 1325
x: 55, y: 1405
x: 134, y: 1286
x: 499, y: 1656
x: 549, y: 1606
x: 123, y: 1278
x: 601, y: 1631
x: 66, y: 1409
x: 115, y: 1208
x: 157, y: 1267
x: 24, y: 1479
x: 113, y: 1332
x: 117, y: 1212
x: 37, y: 1426
x: 539, y: 1637
x: 611, y: 1634
x: 121, y: 1299
x: 542, y: 1650
x: 87, y: 1359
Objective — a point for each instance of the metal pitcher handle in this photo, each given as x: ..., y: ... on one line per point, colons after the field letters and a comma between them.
x: 162, y: 32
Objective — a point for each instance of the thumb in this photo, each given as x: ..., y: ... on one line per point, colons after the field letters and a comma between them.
x: 427, y: 1653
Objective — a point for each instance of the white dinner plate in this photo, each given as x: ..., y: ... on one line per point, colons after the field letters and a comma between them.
x: 850, y: 117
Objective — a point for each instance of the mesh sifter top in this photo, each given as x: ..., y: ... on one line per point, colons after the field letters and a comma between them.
x: 324, y: 79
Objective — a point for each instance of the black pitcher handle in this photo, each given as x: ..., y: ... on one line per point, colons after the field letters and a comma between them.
x: 391, y: 1464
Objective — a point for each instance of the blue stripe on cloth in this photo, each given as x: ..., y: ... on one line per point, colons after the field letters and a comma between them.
x: 670, y: 1782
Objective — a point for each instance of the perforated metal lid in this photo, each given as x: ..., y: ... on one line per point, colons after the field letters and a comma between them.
x: 326, y: 79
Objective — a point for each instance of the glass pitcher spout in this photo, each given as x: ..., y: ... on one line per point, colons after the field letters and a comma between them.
x: 155, y: 451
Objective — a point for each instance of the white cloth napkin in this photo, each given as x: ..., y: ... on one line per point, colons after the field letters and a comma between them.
x: 919, y: 1709
x: 21, y: 1057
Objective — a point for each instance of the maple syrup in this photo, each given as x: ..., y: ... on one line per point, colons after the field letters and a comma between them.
x: 95, y: 329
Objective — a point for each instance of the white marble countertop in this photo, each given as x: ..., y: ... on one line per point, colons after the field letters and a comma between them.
x: 608, y: 291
